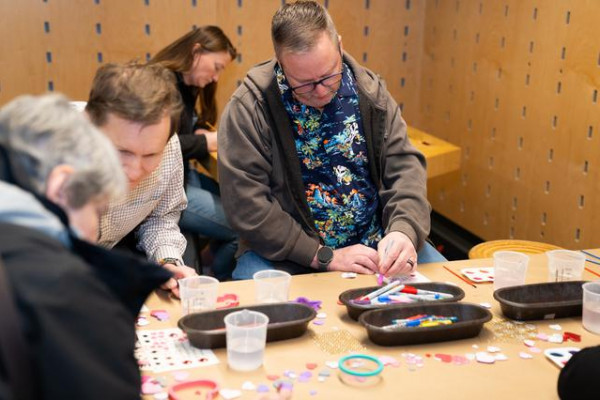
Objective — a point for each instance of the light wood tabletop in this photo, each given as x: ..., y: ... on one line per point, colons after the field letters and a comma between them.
x: 514, y: 378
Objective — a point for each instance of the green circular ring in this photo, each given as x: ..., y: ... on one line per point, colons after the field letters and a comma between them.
x: 363, y: 357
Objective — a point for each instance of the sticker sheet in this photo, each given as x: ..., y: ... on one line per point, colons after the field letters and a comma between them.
x: 560, y: 355
x: 480, y: 274
x: 169, y: 349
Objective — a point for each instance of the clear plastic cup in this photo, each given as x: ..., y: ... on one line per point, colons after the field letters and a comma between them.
x: 510, y: 268
x: 565, y: 265
x: 591, y: 307
x: 198, y: 293
x: 246, y: 339
x: 272, y: 286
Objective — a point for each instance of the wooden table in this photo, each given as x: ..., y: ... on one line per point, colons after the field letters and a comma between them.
x: 515, y: 378
x: 442, y: 157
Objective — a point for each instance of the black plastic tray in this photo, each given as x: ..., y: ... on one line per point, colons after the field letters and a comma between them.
x: 354, y: 310
x: 471, y: 318
x: 206, y: 330
x: 541, y: 300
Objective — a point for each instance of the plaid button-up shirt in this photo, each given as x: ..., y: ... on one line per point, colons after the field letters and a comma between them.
x: 155, y: 205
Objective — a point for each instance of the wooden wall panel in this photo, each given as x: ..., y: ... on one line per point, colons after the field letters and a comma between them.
x: 515, y: 83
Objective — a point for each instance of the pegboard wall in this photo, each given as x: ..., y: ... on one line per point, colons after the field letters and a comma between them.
x: 56, y: 45
x: 513, y: 82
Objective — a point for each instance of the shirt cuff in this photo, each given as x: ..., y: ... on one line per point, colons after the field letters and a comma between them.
x: 168, y: 252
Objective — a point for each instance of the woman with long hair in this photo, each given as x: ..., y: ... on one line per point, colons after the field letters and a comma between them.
x: 197, y: 59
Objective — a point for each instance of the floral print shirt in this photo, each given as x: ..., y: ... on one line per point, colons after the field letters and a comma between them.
x: 332, y: 151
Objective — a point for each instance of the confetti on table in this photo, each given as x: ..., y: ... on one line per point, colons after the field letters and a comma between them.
x: 348, y: 275
x: 542, y: 336
x: 230, y: 393
x: 529, y: 343
x: 460, y: 360
x: 311, y: 365
x: 485, y: 305
x: 262, y: 388
x: 151, y: 387
x: 160, y: 315
x: 388, y: 360
x: 318, y: 322
x: 272, y: 377
x: 142, y: 321
x: 446, y: 358
x: 305, y: 376
x: 332, y: 364
x: 180, y: 376
x: 248, y: 386
x: 556, y: 338
x: 322, y: 315
x: 525, y: 356
x: 500, y: 357
x: 555, y: 327
x: 485, y: 358
x: 161, y: 396
x: 313, y: 392
x: 571, y: 336
x: 324, y: 373
x: 535, y: 350
x: 493, y: 349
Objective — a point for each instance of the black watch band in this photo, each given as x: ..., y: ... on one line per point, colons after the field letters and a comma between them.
x: 324, y: 257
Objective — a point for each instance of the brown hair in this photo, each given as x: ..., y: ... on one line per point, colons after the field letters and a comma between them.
x: 297, y: 26
x: 179, y: 57
x: 134, y: 92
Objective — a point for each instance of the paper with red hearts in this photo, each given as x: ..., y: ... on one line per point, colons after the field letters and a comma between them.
x: 479, y: 274
x: 162, y: 350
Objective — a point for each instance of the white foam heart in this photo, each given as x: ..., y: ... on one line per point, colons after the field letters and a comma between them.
x: 230, y: 393
x: 484, y: 357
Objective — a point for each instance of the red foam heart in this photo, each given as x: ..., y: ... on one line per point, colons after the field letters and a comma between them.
x: 228, y: 300
x: 447, y: 358
x: 571, y: 336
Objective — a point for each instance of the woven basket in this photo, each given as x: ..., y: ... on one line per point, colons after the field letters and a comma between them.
x: 487, y: 249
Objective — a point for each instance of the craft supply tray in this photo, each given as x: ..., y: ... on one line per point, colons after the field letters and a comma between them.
x: 471, y: 318
x: 541, y: 300
x: 206, y: 330
x: 354, y: 310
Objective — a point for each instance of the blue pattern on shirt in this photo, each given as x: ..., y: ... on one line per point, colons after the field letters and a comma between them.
x: 333, y: 159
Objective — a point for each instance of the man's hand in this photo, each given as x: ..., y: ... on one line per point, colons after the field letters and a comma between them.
x: 356, y: 258
x: 178, y: 273
x: 397, y: 255
x: 211, y: 138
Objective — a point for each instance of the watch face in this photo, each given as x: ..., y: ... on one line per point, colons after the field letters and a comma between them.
x: 325, y: 254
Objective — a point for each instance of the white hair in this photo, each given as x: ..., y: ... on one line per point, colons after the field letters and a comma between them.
x: 42, y: 132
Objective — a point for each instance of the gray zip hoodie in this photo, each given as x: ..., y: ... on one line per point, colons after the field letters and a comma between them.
x: 260, y: 177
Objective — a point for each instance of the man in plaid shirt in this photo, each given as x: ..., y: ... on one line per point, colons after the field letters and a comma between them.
x: 135, y: 106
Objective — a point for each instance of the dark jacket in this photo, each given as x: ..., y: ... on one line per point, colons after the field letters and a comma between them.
x: 259, y: 171
x: 192, y: 145
x: 77, y: 302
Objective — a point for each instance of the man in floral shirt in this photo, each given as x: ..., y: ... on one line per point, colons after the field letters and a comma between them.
x: 316, y: 169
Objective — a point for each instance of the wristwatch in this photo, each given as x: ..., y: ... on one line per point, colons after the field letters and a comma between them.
x: 324, y: 257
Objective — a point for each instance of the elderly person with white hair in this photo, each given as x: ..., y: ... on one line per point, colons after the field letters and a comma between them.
x: 68, y: 306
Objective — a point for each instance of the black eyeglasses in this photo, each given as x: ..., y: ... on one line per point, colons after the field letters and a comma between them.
x: 328, y: 81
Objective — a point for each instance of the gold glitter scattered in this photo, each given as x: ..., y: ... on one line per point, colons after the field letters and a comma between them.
x: 508, y: 331
x: 337, y: 341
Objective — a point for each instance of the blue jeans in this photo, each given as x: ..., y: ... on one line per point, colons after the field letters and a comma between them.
x: 250, y: 262
x: 205, y: 216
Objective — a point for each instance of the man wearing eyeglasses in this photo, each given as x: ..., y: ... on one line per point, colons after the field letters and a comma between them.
x: 315, y: 166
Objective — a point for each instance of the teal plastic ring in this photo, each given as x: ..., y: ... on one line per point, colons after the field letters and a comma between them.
x: 376, y: 371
